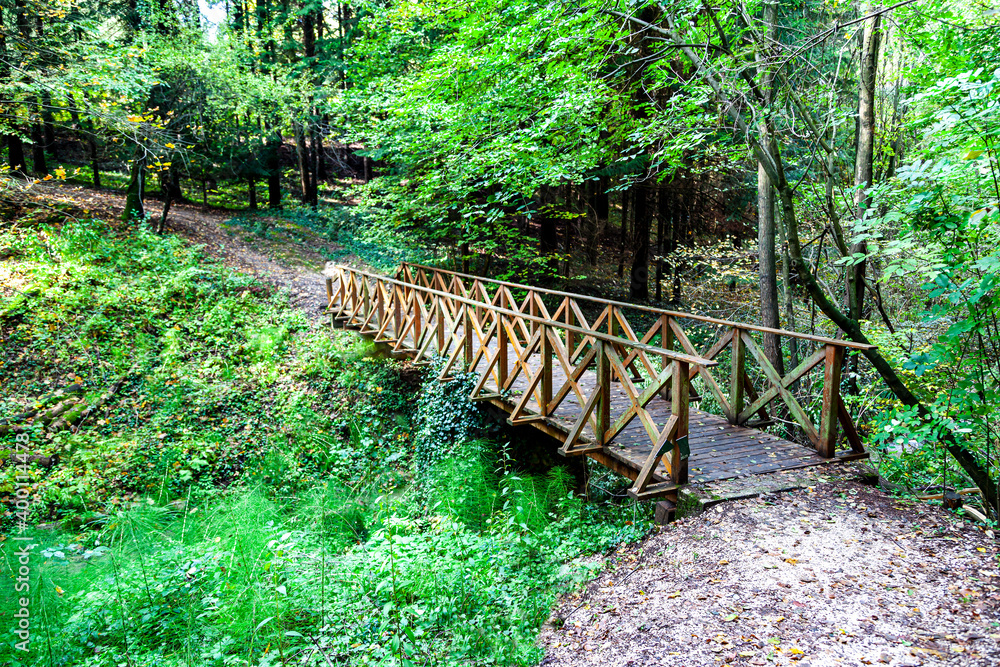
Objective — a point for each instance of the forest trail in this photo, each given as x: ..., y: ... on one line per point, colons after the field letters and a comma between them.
x: 279, y: 260
x: 838, y: 573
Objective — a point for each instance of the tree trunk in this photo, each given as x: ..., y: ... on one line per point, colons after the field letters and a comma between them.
x: 864, y: 158
x: 162, y: 225
x: 594, y: 223
x: 133, y: 195
x: 863, y: 162
x: 662, y: 214
x: 682, y: 215
x: 318, y: 166
x: 767, y: 269
x: 95, y: 162
x: 252, y: 193
x: 38, y: 163
x: 623, y: 232
x: 639, y: 279
x: 567, y: 229
x: 302, y: 153
x: 273, y: 166
x: 15, y: 153
x: 601, y: 204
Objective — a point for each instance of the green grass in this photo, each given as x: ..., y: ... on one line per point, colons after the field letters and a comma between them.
x: 252, y: 494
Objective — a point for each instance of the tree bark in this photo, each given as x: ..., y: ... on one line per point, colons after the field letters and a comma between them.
x: 302, y: 153
x: 767, y: 268
x: 252, y: 193
x: 39, y: 166
x: 547, y: 231
x: 864, y: 159
x: 639, y: 278
x: 623, y: 232
x: 95, y: 162
x: 133, y: 195
x: 273, y: 166
x: 15, y: 153
x: 594, y: 220
x: 662, y: 215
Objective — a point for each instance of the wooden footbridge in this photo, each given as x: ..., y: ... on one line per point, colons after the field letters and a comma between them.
x: 618, y: 387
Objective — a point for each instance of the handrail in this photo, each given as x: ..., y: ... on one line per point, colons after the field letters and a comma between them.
x: 505, y: 338
x: 598, y: 335
x: 658, y: 311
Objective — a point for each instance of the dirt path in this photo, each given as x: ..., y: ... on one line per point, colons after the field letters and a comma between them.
x: 299, y: 269
x: 836, y: 574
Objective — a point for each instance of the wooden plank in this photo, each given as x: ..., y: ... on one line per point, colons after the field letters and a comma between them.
x: 604, y: 383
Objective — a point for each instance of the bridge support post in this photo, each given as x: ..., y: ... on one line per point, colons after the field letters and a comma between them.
x: 679, y: 405
x: 737, y: 385
x: 827, y: 445
x: 397, y: 312
x: 546, y: 353
x: 501, y: 345
x: 604, y: 386
x: 467, y: 330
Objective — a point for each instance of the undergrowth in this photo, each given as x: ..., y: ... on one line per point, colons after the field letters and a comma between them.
x: 259, y: 490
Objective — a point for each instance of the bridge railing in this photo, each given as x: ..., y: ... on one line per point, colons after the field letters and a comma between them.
x: 746, y: 391
x: 515, y: 344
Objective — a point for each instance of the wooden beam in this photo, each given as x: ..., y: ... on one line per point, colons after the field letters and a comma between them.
x: 827, y: 445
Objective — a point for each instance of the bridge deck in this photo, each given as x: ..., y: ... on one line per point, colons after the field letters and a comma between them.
x: 719, y: 450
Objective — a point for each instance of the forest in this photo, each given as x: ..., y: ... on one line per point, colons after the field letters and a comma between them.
x: 199, y: 467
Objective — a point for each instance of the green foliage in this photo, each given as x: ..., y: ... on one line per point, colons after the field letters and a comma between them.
x: 447, y: 419
x: 245, y: 580
x: 253, y: 495
x: 944, y: 232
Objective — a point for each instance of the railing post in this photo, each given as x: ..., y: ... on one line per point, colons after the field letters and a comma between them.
x: 666, y: 342
x: 501, y: 345
x: 613, y: 330
x: 467, y: 330
x: 736, y: 378
x: 354, y: 298
x: 439, y: 322
x: 417, y: 325
x: 366, y: 300
x: 679, y: 405
x: 397, y: 311
x: 379, y: 304
x: 570, y: 336
x: 329, y: 291
x: 533, y: 311
x: 603, y: 386
x: 827, y: 445
x: 546, y: 353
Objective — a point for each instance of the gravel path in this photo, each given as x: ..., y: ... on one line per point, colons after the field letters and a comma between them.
x: 835, y: 574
